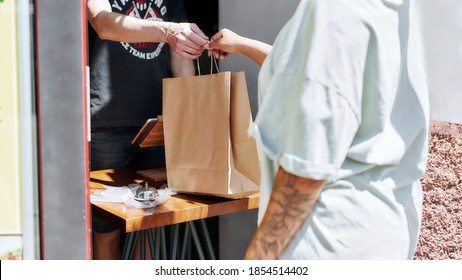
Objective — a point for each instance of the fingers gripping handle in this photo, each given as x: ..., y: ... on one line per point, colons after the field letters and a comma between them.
x: 213, y: 61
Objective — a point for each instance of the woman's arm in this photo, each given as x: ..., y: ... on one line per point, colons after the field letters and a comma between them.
x: 225, y: 42
x: 186, y: 39
x: 290, y: 204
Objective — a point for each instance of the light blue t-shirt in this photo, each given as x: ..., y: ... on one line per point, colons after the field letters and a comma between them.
x: 343, y: 98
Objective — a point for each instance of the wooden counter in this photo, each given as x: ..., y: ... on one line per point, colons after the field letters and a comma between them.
x: 177, y: 209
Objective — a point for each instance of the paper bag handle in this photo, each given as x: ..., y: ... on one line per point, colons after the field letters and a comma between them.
x: 213, y: 61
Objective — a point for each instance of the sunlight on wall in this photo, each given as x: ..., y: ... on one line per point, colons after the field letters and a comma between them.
x: 10, y: 191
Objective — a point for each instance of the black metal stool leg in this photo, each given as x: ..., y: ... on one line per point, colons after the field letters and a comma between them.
x: 127, y: 245
x: 142, y: 245
x: 157, y: 242
x: 135, y: 241
x: 151, y: 242
x: 196, y: 241
x: 206, y: 234
x: 130, y: 244
x: 163, y: 244
x: 185, y: 242
x: 174, y: 240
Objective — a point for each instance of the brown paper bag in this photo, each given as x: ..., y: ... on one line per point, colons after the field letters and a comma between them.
x: 207, y: 146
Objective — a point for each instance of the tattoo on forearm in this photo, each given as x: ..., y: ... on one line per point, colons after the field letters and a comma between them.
x: 291, y: 202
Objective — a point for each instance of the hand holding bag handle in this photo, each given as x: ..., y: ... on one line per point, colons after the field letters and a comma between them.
x: 213, y: 61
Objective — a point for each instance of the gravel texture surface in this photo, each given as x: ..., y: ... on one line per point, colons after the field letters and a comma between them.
x: 441, y: 232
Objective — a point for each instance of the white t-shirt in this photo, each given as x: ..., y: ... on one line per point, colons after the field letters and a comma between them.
x: 342, y: 100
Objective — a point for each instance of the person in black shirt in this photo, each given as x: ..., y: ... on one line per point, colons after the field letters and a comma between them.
x: 133, y: 45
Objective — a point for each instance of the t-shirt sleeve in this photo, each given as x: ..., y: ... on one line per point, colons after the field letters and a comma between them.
x: 305, y: 126
x: 311, y: 87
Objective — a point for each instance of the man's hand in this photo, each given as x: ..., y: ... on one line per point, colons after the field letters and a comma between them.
x: 186, y: 39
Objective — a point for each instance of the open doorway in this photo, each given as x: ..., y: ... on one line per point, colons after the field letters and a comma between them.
x: 203, y: 13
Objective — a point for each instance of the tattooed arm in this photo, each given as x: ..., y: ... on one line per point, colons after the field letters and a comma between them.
x: 290, y: 204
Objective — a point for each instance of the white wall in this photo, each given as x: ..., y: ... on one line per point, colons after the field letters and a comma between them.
x: 442, y: 29
x: 261, y: 20
x: 257, y: 19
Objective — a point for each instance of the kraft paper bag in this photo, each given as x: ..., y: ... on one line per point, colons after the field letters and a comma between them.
x: 207, y: 147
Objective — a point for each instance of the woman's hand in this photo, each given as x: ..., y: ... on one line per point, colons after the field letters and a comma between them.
x: 223, y: 43
x: 226, y: 42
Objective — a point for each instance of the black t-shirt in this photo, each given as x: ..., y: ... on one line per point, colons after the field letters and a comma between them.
x: 126, y: 78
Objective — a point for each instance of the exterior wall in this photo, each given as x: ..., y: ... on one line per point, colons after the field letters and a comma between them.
x: 261, y: 20
x: 10, y: 177
x: 61, y: 87
x: 442, y: 38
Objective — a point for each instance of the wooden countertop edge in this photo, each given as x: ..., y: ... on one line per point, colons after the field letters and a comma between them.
x: 159, y: 217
